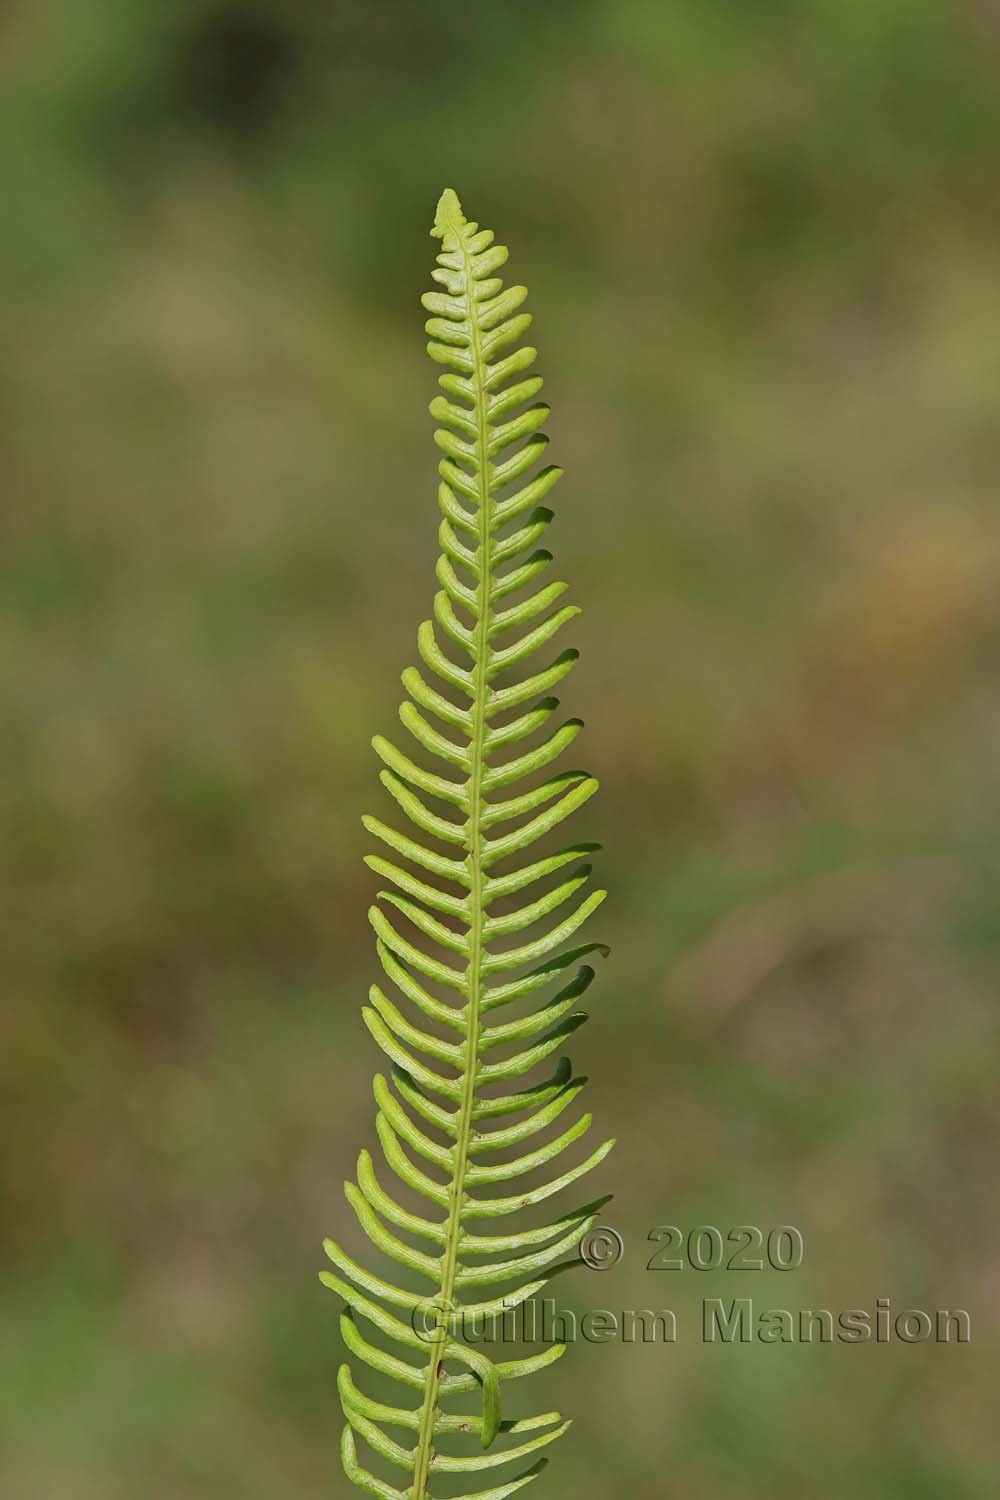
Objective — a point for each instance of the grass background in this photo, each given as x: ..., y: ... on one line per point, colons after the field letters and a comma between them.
x: 762, y: 245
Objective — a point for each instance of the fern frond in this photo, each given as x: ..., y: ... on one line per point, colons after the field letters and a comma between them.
x: 469, y: 924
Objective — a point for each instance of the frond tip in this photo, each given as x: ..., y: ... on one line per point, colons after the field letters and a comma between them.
x: 457, y: 939
x: 448, y: 217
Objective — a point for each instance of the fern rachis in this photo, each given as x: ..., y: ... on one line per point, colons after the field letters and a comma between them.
x: 492, y: 518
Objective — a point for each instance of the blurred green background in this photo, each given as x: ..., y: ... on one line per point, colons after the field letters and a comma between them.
x: 762, y: 242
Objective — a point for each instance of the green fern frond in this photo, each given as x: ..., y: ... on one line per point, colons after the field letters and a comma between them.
x: 451, y: 929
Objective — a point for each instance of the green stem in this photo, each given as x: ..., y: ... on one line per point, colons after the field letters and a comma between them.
x: 424, y: 1451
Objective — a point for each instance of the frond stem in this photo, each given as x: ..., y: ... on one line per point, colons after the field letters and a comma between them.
x: 424, y: 1451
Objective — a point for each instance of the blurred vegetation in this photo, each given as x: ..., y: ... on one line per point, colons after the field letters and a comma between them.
x: 762, y: 242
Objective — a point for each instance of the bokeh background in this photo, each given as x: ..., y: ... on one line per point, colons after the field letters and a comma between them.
x: 762, y: 241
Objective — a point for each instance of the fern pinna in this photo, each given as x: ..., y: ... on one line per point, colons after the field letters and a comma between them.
x: 466, y: 958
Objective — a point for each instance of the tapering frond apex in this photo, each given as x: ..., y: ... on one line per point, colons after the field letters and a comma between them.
x: 448, y: 218
x: 443, y: 939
